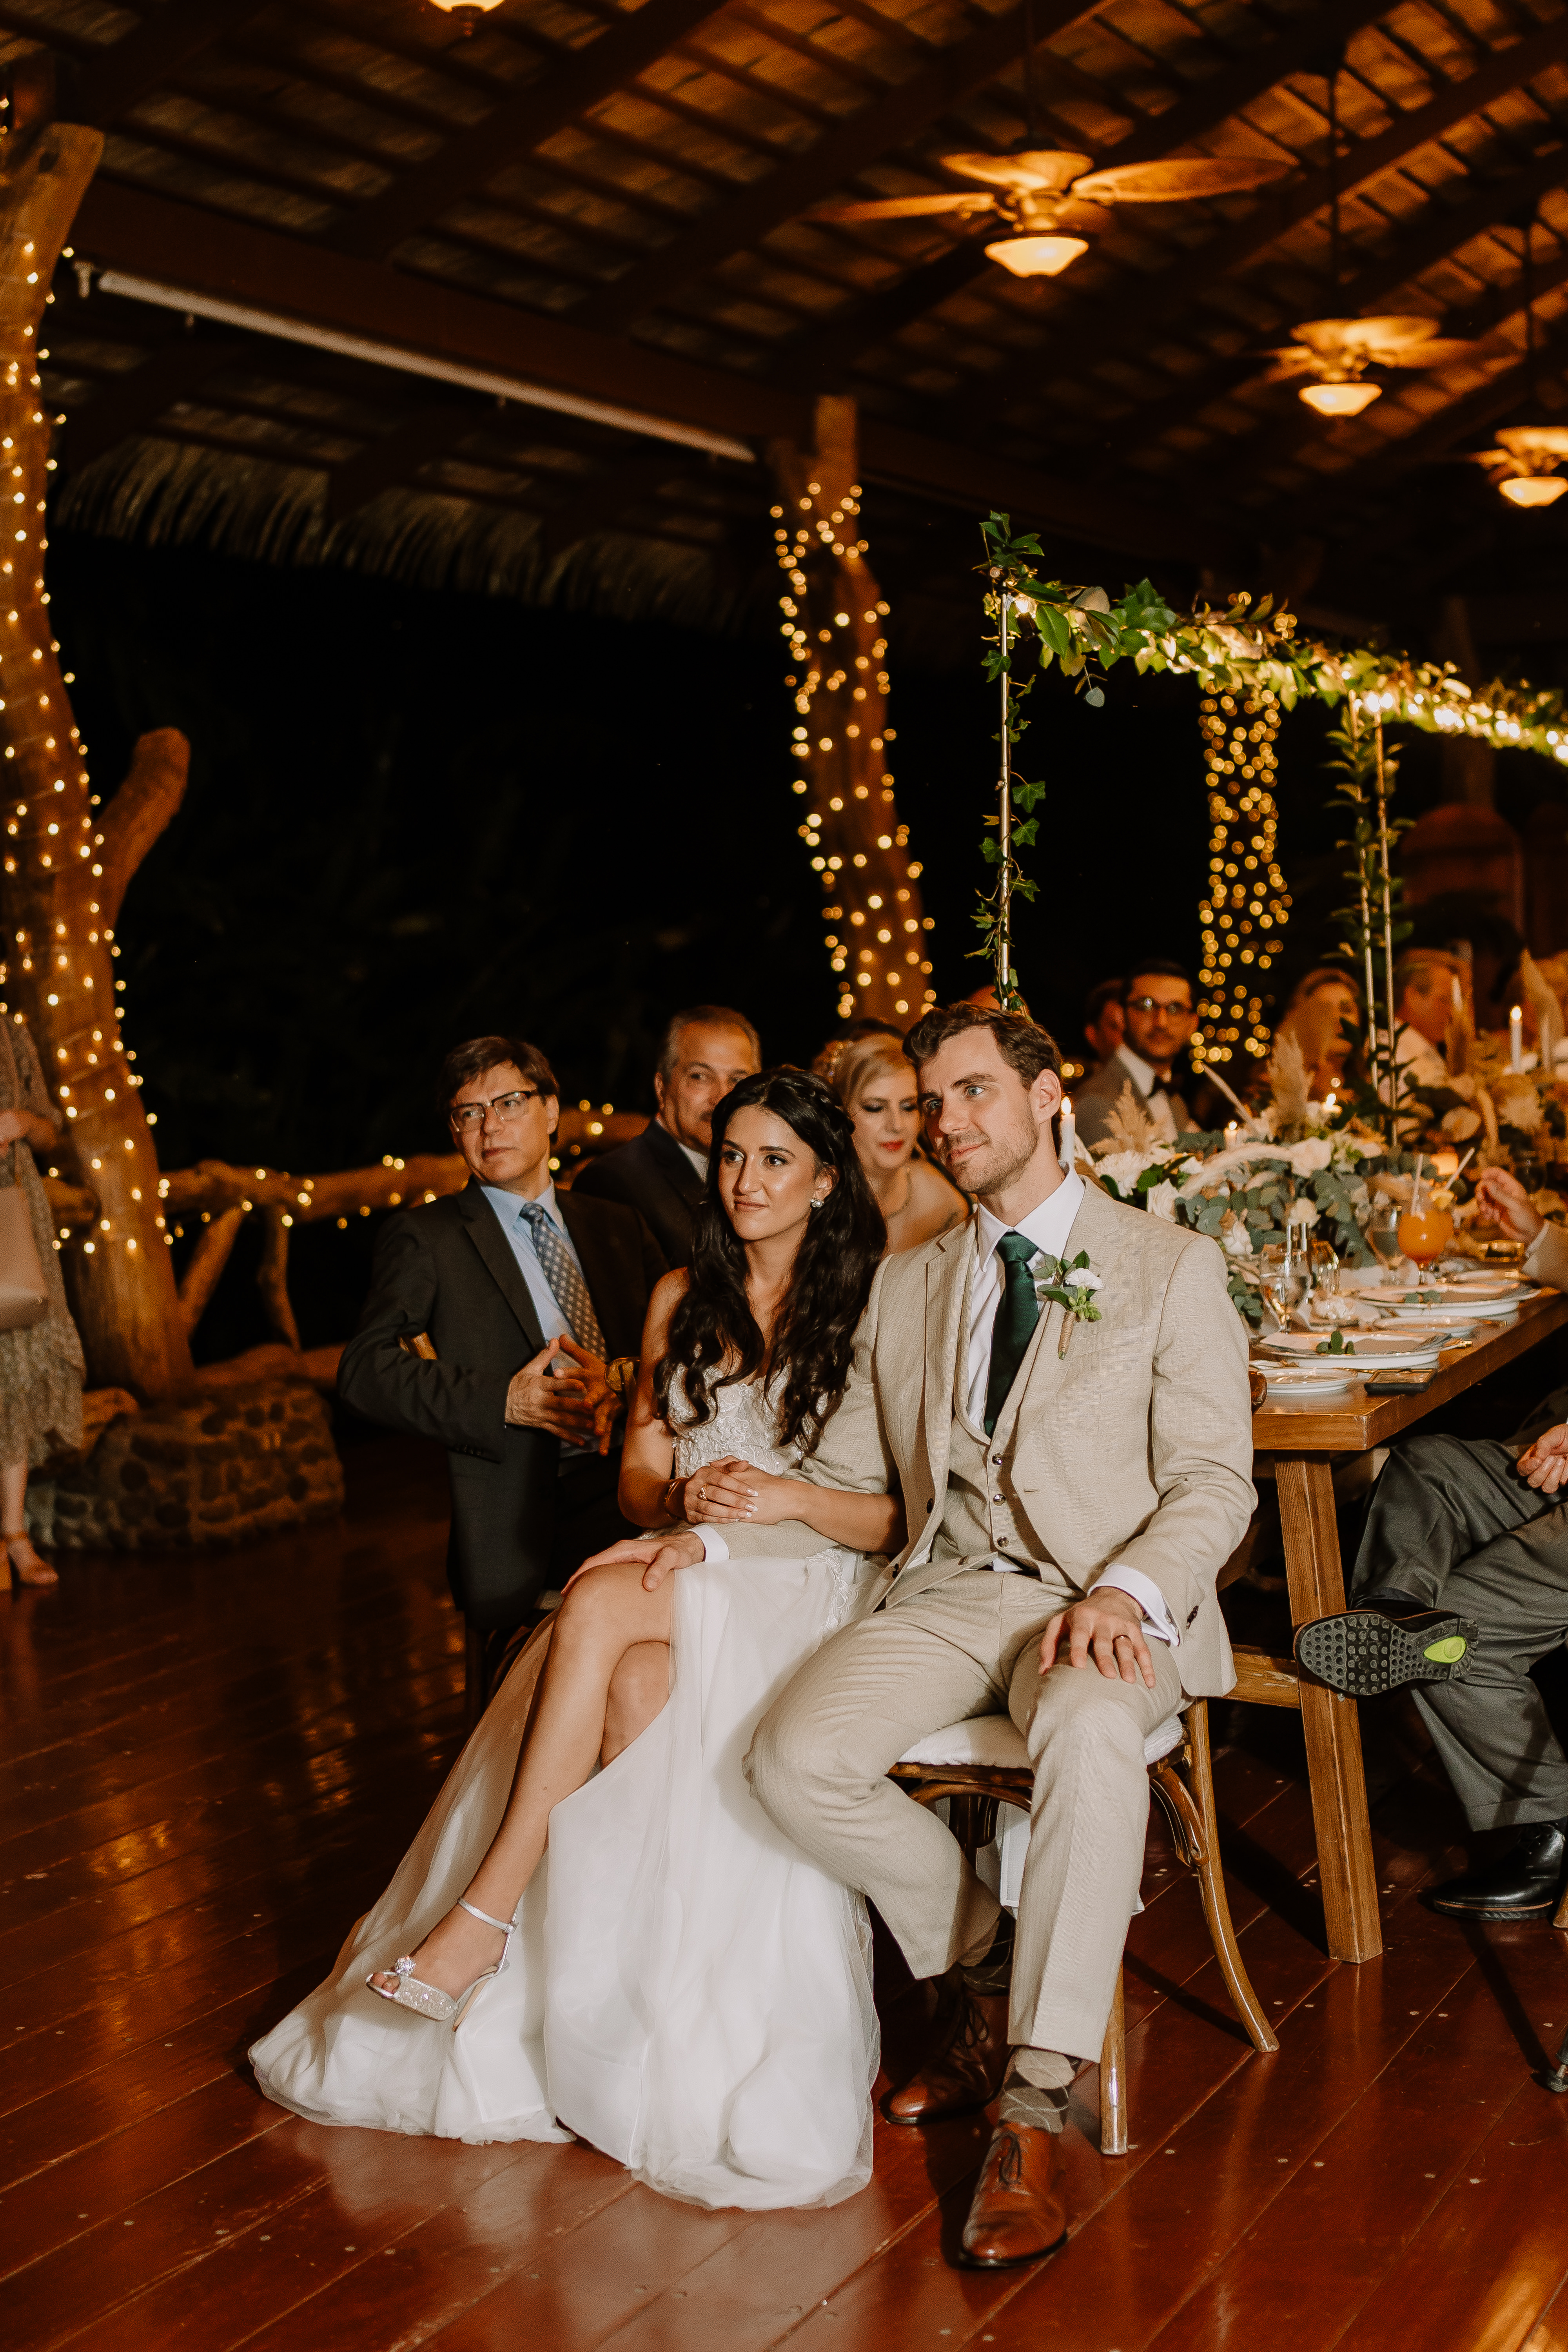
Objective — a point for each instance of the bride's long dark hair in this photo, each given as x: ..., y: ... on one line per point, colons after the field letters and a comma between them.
x: 713, y: 1336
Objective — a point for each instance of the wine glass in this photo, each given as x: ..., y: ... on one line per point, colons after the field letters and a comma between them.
x: 1327, y: 1305
x: 1284, y: 1276
x: 1383, y: 1234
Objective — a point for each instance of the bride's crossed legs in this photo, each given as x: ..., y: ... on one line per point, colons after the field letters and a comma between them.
x: 605, y: 1678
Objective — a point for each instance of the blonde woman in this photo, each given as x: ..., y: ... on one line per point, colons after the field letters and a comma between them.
x: 1324, y: 1016
x: 876, y: 1084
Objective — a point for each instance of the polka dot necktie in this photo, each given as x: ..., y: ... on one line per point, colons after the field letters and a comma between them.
x: 561, y: 1273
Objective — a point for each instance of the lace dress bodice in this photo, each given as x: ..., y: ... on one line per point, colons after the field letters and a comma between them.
x: 743, y: 1422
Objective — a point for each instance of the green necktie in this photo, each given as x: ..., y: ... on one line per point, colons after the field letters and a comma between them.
x: 1018, y: 1313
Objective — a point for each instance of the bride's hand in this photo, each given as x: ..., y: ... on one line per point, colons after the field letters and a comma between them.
x: 657, y: 1555
x: 725, y: 1492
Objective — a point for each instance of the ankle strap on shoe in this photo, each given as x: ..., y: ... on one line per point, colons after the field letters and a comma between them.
x: 502, y: 1926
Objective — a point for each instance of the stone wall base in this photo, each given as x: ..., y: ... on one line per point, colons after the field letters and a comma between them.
x: 223, y: 1468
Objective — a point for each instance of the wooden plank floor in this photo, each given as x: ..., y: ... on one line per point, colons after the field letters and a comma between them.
x: 211, y: 1764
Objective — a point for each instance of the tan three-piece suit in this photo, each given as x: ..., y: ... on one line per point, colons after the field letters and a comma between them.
x: 1131, y: 1445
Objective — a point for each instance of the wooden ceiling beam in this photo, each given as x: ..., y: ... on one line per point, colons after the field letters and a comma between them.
x: 520, y: 124
x: 1119, y: 325
x: 138, y: 398
x: 187, y: 248
x: 599, y: 501
x: 752, y: 212
x: 397, y: 456
x: 820, y: 360
x: 121, y: 75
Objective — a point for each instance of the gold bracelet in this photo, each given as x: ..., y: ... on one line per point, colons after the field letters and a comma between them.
x: 670, y: 1489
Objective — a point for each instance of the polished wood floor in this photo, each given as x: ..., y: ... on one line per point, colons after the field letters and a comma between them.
x: 211, y: 1764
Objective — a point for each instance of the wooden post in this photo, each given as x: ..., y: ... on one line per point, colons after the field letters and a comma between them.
x: 1346, y: 1870
x: 66, y: 872
x: 836, y: 622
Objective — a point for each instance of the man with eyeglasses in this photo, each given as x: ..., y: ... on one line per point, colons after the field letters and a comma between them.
x: 505, y: 1321
x: 1158, y: 1019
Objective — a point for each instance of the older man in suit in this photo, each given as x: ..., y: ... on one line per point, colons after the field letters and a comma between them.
x: 532, y: 1302
x: 663, y: 1172
x: 1158, y: 1020
x: 1073, y: 1442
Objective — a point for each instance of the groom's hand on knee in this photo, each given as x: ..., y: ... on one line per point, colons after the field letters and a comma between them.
x: 657, y: 1555
x: 1105, y: 1631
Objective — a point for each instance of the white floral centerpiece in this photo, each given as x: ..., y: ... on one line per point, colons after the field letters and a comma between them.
x: 1304, y: 1164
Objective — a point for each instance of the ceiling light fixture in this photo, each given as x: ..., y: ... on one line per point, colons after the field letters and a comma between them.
x: 1532, y: 489
x: 1037, y: 257
x: 1341, y: 397
x: 466, y: 12
x: 1525, y: 464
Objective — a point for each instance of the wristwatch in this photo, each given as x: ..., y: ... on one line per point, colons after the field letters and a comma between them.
x: 621, y: 1376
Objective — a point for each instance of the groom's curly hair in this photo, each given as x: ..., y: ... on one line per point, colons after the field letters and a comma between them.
x: 714, y: 1337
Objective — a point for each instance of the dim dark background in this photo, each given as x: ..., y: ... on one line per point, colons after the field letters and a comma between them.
x: 416, y: 815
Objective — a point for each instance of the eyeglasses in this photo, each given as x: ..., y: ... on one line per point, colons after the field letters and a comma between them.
x: 466, y: 1117
x: 1157, y: 1005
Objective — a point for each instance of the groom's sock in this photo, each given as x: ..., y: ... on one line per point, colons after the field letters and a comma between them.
x: 993, y: 1972
x: 1035, y: 2090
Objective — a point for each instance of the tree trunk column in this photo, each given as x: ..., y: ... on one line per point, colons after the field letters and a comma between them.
x: 836, y: 622
x: 64, y: 874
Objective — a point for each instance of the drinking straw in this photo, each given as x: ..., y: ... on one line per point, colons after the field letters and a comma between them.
x: 1463, y: 1165
x: 1416, y: 1182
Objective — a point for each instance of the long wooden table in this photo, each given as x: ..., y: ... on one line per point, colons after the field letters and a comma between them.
x: 1298, y: 1444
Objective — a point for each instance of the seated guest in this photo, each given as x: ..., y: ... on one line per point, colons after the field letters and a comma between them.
x: 1461, y: 1587
x: 1324, y: 1016
x: 1103, y: 1024
x: 877, y: 1086
x: 1429, y: 986
x: 663, y: 1172
x: 1157, y: 1008
x: 853, y: 1034
x: 528, y: 1297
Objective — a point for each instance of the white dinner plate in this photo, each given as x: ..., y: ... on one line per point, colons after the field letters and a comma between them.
x: 1366, y: 1347
x: 1289, y: 1382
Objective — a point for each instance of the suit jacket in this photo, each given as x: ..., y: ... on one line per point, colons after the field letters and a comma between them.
x: 447, y: 1267
x: 1135, y: 1448
x: 652, y: 1174
x: 1095, y: 1098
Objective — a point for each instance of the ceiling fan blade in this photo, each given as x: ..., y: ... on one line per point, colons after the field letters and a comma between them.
x: 1440, y: 351
x: 1523, y: 440
x: 904, y: 207
x: 1039, y: 169
x: 1178, y: 178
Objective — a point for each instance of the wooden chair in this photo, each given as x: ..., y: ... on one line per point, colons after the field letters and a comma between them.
x: 1182, y: 1781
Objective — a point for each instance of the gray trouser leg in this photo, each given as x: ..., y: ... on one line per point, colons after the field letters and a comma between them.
x: 1491, y: 1728
x: 1438, y: 1500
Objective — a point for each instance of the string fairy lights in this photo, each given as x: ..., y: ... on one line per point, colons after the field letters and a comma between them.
x: 1248, y: 905
x: 834, y: 625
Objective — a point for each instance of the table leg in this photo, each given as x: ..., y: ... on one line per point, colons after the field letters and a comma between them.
x: 1305, y: 1485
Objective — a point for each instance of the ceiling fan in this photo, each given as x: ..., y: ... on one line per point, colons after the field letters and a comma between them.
x: 1337, y: 352
x: 1525, y: 467
x: 1030, y: 191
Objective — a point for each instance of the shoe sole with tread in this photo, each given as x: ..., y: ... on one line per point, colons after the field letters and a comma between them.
x: 1365, y: 1654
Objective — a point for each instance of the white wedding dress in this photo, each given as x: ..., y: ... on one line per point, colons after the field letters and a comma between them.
x: 687, y: 1991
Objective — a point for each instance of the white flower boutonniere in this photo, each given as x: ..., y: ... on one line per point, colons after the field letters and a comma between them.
x: 1070, y: 1282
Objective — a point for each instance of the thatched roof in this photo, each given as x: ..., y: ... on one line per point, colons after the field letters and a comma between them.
x: 616, y: 207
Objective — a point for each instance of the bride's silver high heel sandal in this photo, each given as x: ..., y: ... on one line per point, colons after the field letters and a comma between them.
x: 430, y: 2000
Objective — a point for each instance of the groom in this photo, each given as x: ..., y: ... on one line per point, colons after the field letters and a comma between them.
x: 1072, y: 1486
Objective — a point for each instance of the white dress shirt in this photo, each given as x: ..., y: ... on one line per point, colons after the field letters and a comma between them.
x: 1158, y: 1102
x: 552, y: 1323
x: 699, y: 1159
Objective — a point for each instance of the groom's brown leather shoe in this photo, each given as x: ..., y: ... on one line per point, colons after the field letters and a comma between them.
x: 1016, y: 2214
x: 964, y: 2070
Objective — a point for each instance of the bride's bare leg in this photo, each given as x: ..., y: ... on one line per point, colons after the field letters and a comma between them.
x: 639, y: 1689
x: 604, y: 1616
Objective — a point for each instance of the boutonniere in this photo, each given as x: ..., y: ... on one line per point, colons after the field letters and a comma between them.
x: 1070, y: 1282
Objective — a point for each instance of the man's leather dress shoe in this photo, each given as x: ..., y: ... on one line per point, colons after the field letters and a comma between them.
x: 1386, y: 1640
x: 965, y: 2069
x: 1016, y: 2214
x: 1525, y: 1883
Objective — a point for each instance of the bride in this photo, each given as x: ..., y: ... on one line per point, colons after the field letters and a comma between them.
x: 673, y: 1982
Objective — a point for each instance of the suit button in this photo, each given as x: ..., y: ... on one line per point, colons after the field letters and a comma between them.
x: 996, y: 1461
x: 1002, y: 1541
x: 996, y: 1499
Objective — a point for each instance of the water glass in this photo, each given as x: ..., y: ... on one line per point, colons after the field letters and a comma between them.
x: 1284, y: 1277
